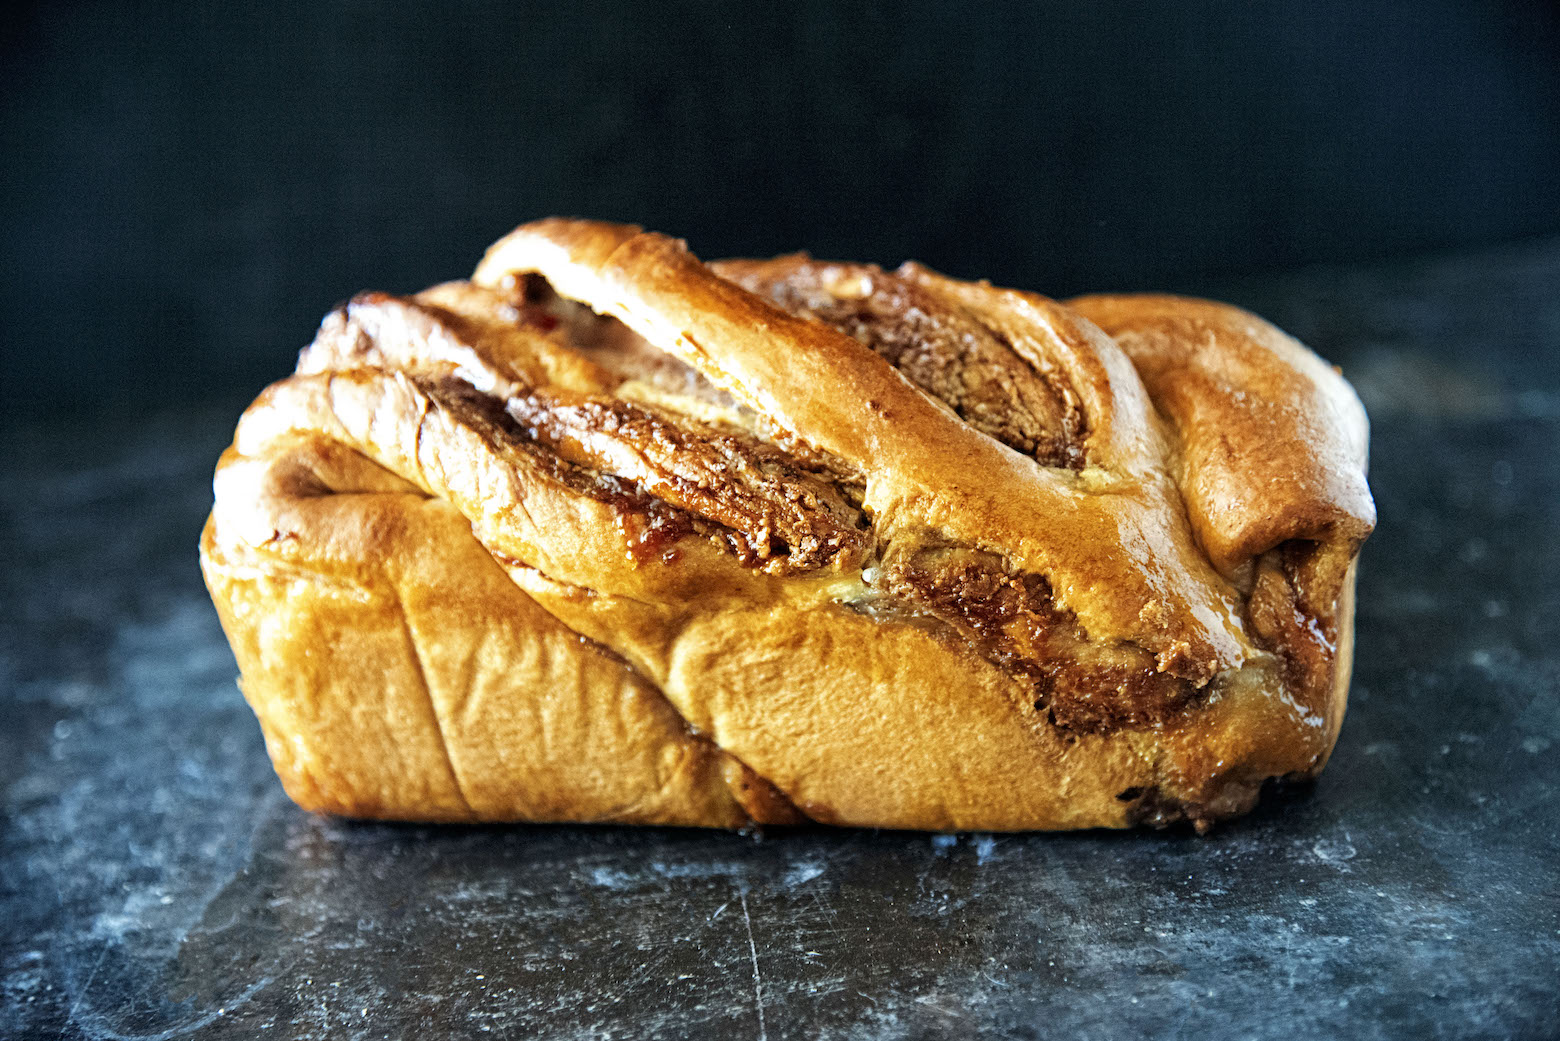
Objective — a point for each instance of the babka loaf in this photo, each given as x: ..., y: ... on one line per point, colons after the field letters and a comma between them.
x: 609, y: 534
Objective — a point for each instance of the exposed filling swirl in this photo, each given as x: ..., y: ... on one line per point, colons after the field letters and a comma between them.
x: 1014, y: 620
x: 728, y: 477
x: 937, y: 345
x: 1292, y: 611
x: 669, y: 479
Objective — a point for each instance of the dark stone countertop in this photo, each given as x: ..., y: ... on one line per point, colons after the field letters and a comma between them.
x: 155, y: 883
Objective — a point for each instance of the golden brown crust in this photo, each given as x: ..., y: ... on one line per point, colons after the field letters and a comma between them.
x: 605, y: 534
x: 398, y: 672
x: 1273, y: 442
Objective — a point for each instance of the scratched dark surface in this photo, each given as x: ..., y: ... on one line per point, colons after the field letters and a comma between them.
x: 154, y: 882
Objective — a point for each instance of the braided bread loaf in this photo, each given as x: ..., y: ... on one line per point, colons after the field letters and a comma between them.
x: 607, y: 534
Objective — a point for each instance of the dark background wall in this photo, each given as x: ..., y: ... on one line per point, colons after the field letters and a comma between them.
x: 187, y: 188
